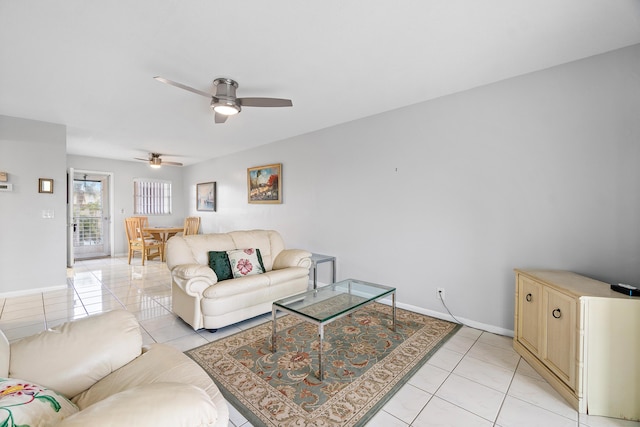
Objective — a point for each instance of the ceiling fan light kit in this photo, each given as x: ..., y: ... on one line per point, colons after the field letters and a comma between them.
x: 155, y: 162
x: 226, y: 108
x: 224, y: 102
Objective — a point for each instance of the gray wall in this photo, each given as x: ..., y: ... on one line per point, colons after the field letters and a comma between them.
x: 32, y: 248
x: 536, y: 171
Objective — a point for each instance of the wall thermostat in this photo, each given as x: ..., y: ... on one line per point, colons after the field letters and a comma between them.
x: 6, y: 187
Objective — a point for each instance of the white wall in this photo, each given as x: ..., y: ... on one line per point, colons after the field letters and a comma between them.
x: 123, y: 174
x: 32, y: 248
x: 536, y: 171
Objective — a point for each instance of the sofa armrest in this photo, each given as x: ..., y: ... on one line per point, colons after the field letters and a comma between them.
x: 292, y: 258
x: 193, y: 279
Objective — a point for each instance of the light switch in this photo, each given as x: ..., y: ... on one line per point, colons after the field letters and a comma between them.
x: 48, y: 213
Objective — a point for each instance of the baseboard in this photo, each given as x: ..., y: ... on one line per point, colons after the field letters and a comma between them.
x: 445, y: 316
x: 24, y: 292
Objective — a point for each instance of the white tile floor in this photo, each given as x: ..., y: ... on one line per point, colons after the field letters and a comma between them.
x: 475, y: 379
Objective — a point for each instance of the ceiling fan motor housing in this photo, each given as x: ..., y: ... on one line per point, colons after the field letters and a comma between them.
x: 224, y: 101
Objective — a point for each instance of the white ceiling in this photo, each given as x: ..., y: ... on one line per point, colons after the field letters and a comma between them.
x: 89, y: 64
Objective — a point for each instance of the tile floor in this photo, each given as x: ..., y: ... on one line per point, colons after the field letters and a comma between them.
x: 475, y: 379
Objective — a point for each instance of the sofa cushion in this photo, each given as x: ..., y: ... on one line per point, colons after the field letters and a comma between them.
x: 286, y: 275
x: 23, y: 403
x: 219, y: 263
x: 75, y: 355
x: 194, y: 248
x: 241, y: 285
x: 156, y: 404
x: 245, y: 262
x: 269, y: 242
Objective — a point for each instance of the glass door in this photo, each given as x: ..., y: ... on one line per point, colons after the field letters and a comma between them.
x: 90, y: 215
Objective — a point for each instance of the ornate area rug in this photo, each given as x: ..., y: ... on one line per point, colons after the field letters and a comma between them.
x: 365, y: 363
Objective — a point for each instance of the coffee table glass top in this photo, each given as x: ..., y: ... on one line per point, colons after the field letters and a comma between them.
x: 332, y: 301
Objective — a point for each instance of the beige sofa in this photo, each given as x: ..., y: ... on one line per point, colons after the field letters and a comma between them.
x: 203, y: 301
x: 94, y: 372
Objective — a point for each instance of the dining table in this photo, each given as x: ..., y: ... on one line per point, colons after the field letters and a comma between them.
x: 162, y: 234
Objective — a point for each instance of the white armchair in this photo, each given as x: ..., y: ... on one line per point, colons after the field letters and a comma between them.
x: 94, y: 372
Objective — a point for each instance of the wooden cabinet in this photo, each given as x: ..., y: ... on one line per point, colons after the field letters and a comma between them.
x: 583, y: 338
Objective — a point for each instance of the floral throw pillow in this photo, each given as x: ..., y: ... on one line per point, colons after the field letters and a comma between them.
x: 245, y: 262
x: 26, y: 404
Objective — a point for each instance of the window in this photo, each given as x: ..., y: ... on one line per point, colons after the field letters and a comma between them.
x: 151, y: 197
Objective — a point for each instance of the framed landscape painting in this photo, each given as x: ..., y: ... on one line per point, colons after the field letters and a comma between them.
x: 206, y: 196
x: 264, y: 184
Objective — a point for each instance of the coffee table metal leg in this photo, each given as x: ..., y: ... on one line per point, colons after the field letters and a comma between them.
x: 273, y: 329
x: 321, y: 337
x: 393, y: 300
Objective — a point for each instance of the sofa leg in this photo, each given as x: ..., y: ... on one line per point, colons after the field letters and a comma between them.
x: 213, y: 331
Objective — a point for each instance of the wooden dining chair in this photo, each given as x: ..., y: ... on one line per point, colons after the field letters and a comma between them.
x: 191, y: 225
x: 144, y: 223
x: 148, y: 248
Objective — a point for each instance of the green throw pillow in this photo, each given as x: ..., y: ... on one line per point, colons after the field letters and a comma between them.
x: 219, y: 263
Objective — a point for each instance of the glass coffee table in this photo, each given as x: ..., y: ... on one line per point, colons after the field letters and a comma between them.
x: 324, y: 305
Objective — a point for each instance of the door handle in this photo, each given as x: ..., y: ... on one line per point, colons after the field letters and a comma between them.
x: 556, y: 313
x: 529, y: 297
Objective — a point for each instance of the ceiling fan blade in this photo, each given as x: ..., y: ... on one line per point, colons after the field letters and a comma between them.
x: 264, y: 102
x: 171, y: 163
x: 138, y: 158
x: 220, y: 118
x: 181, y: 86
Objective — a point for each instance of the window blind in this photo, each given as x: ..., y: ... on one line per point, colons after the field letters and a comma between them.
x: 151, y: 197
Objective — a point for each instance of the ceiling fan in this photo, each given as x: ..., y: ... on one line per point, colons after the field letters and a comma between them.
x: 155, y: 161
x: 224, y: 102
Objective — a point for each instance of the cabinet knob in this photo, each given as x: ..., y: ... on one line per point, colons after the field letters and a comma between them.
x: 556, y: 313
x: 529, y: 297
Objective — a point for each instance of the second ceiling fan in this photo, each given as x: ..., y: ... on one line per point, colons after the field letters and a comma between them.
x: 224, y: 102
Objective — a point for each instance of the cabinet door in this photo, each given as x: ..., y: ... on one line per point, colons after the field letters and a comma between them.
x: 560, y: 339
x: 529, y: 328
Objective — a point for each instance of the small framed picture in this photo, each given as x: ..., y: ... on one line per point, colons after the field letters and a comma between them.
x: 264, y: 184
x: 206, y: 196
x: 45, y: 185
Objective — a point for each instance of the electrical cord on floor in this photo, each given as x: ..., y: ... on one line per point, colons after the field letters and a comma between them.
x: 447, y: 308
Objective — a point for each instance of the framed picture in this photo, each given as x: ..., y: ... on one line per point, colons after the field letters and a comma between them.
x: 206, y: 196
x: 264, y: 184
x: 45, y: 185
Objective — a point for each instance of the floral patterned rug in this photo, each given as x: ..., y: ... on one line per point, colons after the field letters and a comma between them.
x: 365, y: 363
